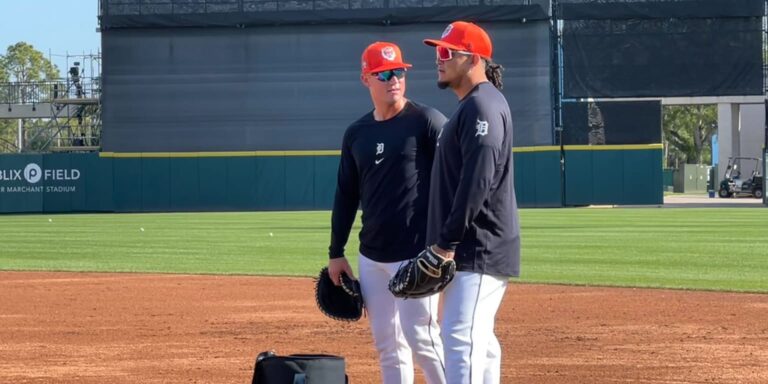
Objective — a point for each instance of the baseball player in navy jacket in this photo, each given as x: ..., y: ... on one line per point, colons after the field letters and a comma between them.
x: 473, y: 214
x: 385, y: 168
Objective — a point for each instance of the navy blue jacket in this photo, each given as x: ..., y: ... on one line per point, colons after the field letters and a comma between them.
x: 385, y: 168
x: 472, y: 207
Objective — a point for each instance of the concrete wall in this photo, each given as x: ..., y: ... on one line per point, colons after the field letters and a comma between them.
x: 752, y: 133
x: 740, y: 132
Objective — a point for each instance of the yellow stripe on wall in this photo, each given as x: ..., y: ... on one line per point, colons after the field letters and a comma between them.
x: 219, y: 154
x: 625, y: 147
x: 547, y: 148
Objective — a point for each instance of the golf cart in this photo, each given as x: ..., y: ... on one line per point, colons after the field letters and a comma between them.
x: 734, y: 184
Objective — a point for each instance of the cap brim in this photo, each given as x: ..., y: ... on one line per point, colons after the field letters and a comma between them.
x: 388, y: 66
x: 440, y: 43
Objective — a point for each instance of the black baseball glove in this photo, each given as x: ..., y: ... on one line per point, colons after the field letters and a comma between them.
x: 344, y: 302
x: 426, y: 274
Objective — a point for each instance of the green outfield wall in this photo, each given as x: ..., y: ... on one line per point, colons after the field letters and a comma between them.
x: 293, y: 180
x: 279, y: 180
x: 55, y: 183
x: 614, y: 175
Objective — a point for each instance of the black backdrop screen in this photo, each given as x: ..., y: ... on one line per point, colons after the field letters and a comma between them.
x: 288, y: 87
x: 612, y: 123
x: 662, y: 57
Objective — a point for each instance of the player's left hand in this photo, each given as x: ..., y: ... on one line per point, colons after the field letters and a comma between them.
x: 447, y: 254
x: 425, y: 275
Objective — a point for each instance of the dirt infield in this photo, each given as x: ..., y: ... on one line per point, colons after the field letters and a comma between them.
x: 132, y: 328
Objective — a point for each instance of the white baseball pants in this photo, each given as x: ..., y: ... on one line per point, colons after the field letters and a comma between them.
x: 472, y: 351
x: 403, y: 330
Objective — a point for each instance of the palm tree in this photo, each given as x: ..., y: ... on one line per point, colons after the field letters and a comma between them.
x: 688, y: 131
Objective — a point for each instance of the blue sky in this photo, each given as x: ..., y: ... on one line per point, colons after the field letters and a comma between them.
x: 52, y: 27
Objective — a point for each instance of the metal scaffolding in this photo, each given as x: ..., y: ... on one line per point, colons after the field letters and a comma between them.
x: 57, y: 116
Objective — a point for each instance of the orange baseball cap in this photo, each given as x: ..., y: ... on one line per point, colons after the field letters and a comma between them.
x: 382, y: 56
x: 464, y: 36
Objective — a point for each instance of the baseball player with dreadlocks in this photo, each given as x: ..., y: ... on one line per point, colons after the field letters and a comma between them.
x: 386, y: 162
x: 473, y: 216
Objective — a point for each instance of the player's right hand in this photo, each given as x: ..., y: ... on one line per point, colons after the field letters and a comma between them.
x: 338, y: 265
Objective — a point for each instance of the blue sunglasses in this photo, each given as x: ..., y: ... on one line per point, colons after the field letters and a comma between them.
x: 386, y: 76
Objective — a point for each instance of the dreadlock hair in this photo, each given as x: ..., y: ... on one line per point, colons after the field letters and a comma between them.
x: 493, y: 73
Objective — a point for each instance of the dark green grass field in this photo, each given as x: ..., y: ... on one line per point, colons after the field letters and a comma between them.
x: 712, y: 249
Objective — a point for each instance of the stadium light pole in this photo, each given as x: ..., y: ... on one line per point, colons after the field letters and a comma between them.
x: 20, y: 139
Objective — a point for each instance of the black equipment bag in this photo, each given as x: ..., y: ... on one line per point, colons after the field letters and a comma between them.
x: 299, y: 369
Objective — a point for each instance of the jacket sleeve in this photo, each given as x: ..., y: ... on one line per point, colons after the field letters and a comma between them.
x: 346, y: 201
x: 435, y: 123
x: 481, y: 135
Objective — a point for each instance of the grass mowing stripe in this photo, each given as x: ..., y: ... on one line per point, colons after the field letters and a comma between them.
x: 717, y: 248
x: 723, y: 249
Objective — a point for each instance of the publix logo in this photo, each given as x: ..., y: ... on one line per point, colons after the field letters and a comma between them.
x: 32, y: 174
